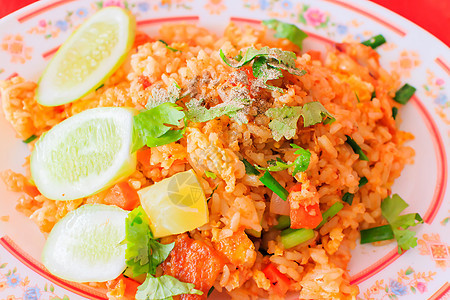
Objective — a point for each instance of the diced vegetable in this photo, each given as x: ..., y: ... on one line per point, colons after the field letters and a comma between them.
x: 331, y: 212
x: 293, y: 237
x: 362, y: 182
x: 270, y: 182
x: 405, y: 93
x: 356, y: 148
x: 348, y: 198
x: 283, y: 223
x: 176, y: 204
x: 375, y: 41
x: 279, y: 281
x: 143, y: 156
x: 287, y: 31
x: 210, y: 174
x: 306, y: 216
x: 394, y: 112
x: 123, y: 196
x: 376, y: 234
x: 86, y: 245
x: 30, y: 139
x: 249, y: 168
x: 279, y: 206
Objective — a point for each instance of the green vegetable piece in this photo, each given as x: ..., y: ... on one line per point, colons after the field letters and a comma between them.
x: 168, y: 47
x: 287, y: 31
x: 314, y: 113
x: 301, y: 163
x: 164, y: 288
x: 160, y: 95
x: 374, y: 95
x: 270, y: 182
x: 210, y: 174
x: 150, y: 126
x: 356, y: 148
x: 211, y: 290
x: 391, y: 207
x: 249, y: 168
x: 293, y: 237
x: 405, y: 93
x: 284, y: 121
x: 275, y: 165
x: 362, y: 182
x: 283, y: 223
x: 348, y: 198
x: 143, y: 253
x: 331, y: 212
x: 198, y: 113
x: 375, y: 41
x: 30, y: 139
x: 100, y: 86
x: 394, y: 112
x: 376, y: 234
x: 357, y: 98
x: 253, y: 232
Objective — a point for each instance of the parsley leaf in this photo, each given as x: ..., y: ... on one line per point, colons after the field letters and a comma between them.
x: 150, y: 126
x: 286, y: 30
x: 275, y: 165
x: 249, y: 168
x: 284, y: 119
x: 301, y: 163
x: 143, y: 254
x: 198, y: 113
x: 164, y: 288
x: 391, y: 207
x: 210, y: 174
x: 160, y: 95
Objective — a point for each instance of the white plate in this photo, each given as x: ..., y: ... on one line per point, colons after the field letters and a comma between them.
x: 29, y: 37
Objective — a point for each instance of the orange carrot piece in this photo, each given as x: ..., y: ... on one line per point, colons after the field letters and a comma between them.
x: 123, y: 196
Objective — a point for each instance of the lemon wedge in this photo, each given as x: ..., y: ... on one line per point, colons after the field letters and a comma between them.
x: 89, y: 56
x: 84, y: 154
x: 86, y: 245
x: 175, y: 205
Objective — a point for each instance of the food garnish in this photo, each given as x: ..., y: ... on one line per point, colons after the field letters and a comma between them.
x: 270, y: 182
x: 375, y: 41
x: 287, y: 31
x: 405, y: 93
x: 356, y: 148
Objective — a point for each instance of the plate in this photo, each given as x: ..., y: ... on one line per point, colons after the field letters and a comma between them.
x: 29, y: 38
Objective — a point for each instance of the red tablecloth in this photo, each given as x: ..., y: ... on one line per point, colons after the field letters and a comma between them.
x: 432, y: 15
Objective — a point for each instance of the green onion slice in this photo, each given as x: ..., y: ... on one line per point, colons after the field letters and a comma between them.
x: 293, y: 237
x: 376, y: 234
x: 356, y: 148
x: 405, y: 93
x: 283, y: 223
x: 268, y: 180
x: 375, y: 41
x: 348, y: 198
x: 331, y: 212
x: 30, y: 139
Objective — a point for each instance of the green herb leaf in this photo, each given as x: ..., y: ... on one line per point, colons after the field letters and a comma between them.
x: 160, y: 95
x: 287, y: 31
x: 168, y: 47
x: 210, y: 174
x: 362, y: 182
x: 249, y: 168
x: 405, y: 93
x: 284, y: 121
x: 150, y: 126
x: 314, y: 113
x: 198, y: 113
x: 275, y: 165
x: 143, y: 253
x: 211, y: 290
x: 375, y: 41
x: 394, y: 112
x: 348, y: 198
x: 30, y: 139
x: 391, y: 207
x: 164, y: 288
x: 212, y: 193
x: 270, y: 182
x: 301, y: 163
x: 356, y: 148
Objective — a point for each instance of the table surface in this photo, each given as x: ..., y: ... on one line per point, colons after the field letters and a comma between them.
x: 432, y: 15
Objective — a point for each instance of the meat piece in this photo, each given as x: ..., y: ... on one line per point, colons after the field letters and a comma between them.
x: 238, y: 249
x: 194, y: 262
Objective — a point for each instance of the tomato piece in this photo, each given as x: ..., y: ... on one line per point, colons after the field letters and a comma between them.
x: 306, y: 217
x: 143, y: 156
x: 31, y: 190
x: 123, y: 196
x: 141, y: 39
x: 280, y: 282
x: 122, y: 288
x: 296, y: 188
x: 315, y: 55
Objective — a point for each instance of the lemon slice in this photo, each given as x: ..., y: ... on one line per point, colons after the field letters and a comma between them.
x: 84, y: 154
x: 175, y: 205
x: 90, y: 55
x: 86, y: 246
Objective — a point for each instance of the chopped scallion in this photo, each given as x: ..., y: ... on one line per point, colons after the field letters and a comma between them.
x: 356, y: 148
x: 348, y: 198
x: 30, y: 139
x: 293, y: 237
x: 331, y: 212
x: 168, y: 47
x: 362, y: 182
x: 100, y: 86
x: 210, y: 291
x: 374, y: 95
x: 376, y: 234
x: 375, y: 41
x: 405, y: 93
x: 210, y: 174
x: 283, y: 223
x: 249, y: 168
x: 253, y: 232
x: 357, y: 98
x: 394, y: 112
x: 268, y: 180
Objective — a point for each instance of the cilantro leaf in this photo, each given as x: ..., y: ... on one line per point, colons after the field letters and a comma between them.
x: 210, y: 174
x: 314, y: 112
x: 168, y: 47
x: 275, y: 165
x: 391, y: 207
x: 150, y: 126
x: 249, y: 168
x: 164, y: 288
x: 198, y: 113
x: 301, y: 163
x: 143, y: 254
x: 287, y: 31
x: 160, y: 95
x: 284, y: 121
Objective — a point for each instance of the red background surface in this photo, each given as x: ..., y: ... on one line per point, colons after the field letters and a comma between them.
x: 432, y: 15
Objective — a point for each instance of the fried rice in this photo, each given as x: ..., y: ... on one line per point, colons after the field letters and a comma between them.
x: 342, y: 79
